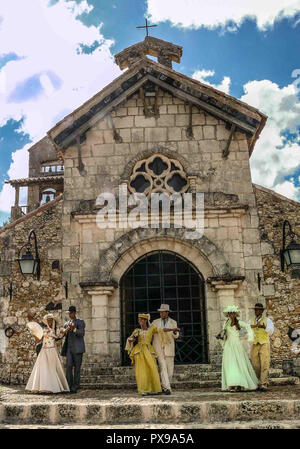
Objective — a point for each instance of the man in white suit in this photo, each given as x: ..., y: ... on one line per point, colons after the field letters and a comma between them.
x: 165, y: 350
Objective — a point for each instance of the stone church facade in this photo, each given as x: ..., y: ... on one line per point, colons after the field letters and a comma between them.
x: 151, y: 130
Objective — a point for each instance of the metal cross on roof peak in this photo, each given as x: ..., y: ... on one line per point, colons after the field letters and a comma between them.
x: 147, y: 27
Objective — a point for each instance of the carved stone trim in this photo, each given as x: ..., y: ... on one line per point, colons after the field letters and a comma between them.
x: 157, y: 149
x: 98, y: 286
x: 169, y: 236
x: 226, y: 282
x: 158, y: 182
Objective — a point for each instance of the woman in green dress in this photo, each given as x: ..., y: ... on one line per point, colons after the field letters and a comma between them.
x: 237, y: 371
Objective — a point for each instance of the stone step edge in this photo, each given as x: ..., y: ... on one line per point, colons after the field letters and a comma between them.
x: 179, y: 376
x: 189, y: 384
x: 291, y: 380
x: 178, y: 369
x: 155, y: 411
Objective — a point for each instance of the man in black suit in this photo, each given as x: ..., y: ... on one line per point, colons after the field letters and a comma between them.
x: 73, y: 348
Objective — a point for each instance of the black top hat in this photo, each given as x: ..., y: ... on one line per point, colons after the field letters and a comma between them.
x: 72, y: 309
x: 259, y: 305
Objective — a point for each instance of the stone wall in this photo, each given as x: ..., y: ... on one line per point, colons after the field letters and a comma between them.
x: 28, y: 293
x: 282, y: 293
x: 108, y: 163
x: 105, y: 159
x: 42, y: 151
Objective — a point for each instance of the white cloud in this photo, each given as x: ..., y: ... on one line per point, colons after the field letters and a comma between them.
x: 270, y: 165
x: 288, y: 189
x: 18, y: 169
x: 202, y: 75
x: 47, y: 39
x: 214, y: 13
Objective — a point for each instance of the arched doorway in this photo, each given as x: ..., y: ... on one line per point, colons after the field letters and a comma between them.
x: 166, y: 277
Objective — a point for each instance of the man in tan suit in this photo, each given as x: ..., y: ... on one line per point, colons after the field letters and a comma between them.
x: 165, y: 350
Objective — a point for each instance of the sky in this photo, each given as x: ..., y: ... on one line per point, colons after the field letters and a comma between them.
x: 56, y: 54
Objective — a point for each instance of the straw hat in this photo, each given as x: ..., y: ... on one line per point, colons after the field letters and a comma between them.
x: 145, y: 316
x: 231, y: 308
x: 48, y: 316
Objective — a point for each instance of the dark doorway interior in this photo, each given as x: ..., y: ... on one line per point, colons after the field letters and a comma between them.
x: 166, y: 277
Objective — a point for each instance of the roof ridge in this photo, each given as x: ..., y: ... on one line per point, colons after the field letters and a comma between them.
x: 208, y: 86
x: 31, y: 214
x: 77, y: 121
x: 148, y: 61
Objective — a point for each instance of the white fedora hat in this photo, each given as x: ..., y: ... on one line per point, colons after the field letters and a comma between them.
x: 164, y: 308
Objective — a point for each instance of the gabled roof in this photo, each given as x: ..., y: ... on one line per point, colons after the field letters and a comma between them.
x: 246, y: 118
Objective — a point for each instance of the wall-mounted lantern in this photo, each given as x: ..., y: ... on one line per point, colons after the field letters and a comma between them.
x: 290, y: 254
x: 27, y: 262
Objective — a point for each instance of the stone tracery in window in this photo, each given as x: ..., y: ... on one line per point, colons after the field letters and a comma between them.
x: 156, y: 174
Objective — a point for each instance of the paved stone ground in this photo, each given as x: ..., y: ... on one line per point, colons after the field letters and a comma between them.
x: 18, y: 395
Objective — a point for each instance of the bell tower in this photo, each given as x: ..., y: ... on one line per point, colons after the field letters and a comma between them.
x: 164, y: 51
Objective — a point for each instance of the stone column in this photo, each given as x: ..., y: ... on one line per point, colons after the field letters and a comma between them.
x: 17, y: 195
x: 33, y: 200
x: 225, y: 294
x: 100, y: 318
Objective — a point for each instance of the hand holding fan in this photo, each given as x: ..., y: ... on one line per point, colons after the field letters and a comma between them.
x: 35, y: 329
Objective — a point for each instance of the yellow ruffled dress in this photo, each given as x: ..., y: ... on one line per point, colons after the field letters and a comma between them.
x: 143, y: 357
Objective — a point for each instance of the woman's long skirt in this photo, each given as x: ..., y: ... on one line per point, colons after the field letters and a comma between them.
x: 146, y: 372
x: 236, y: 367
x: 47, y: 375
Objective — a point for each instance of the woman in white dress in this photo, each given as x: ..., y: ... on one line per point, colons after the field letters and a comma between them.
x: 237, y: 371
x: 47, y: 375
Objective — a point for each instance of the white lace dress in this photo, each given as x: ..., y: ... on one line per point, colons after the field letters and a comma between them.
x: 47, y: 375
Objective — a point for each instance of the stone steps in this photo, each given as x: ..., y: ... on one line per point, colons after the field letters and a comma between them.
x: 132, y: 385
x: 99, y: 384
x: 131, y: 378
x: 163, y: 411
x: 183, y: 379
x: 127, y: 370
x: 182, y: 374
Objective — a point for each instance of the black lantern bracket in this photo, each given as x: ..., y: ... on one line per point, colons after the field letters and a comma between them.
x: 8, y: 291
x: 66, y: 289
x: 286, y: 253
x: 29, y: 256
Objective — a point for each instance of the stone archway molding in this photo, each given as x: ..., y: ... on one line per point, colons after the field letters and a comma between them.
x: 204, y: 254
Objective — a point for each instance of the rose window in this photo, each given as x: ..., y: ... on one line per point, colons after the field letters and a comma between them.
x: 158, y: 173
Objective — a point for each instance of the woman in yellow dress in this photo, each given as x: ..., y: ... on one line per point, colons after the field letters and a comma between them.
x: 143, y: 356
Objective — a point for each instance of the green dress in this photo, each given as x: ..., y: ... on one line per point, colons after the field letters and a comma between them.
x: 236, y: 366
